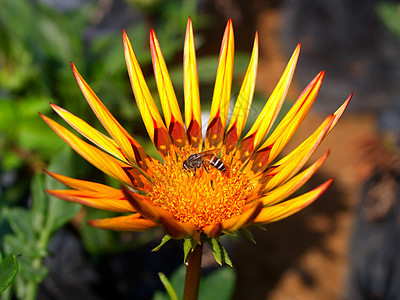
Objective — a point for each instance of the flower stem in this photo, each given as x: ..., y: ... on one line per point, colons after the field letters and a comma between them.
x: 193, y: 274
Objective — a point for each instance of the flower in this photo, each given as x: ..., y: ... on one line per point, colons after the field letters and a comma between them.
x: 228, y: 184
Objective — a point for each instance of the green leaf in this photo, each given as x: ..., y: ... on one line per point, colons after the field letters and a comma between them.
x: 219, y: 252
x: 225, y: 256
x: 8, y: 113
x: 259, y: 227
x: 188, y: 245
x: 34, y: 134
x: 165, y: 239
x: 216, y: 250
x: 158, y: 295
x: 97, y: 241
x: 20, y: 221
x: 170, y: 290
x: 34, y: 274
x: 247, y: 233
x: 8, y: 270
x: 219, y: 285
x: 177, y: 280
x: 389, y: 14
x: 29, y: 106
x: 14, y: 244
x: 59, y: 211
x: 39, y: 202
x: 29, y: 254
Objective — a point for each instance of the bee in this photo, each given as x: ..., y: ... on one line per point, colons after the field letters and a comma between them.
x: 197, y: 160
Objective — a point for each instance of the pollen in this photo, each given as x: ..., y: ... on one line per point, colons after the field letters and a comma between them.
x: 199, y: 198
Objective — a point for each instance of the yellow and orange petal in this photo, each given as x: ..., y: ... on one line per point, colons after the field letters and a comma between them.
x: 229, y: 184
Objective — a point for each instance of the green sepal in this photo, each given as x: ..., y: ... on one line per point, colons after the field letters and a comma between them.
x: 8, y: 270
x: 261, y: 227
x: 219, y: 252
x: 247, y: 233
x: 168, y: 286
x: 188, y: 245
x: 165, y: 239
x: 225, y: 256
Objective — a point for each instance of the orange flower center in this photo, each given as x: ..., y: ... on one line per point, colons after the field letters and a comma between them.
x: 202, y: 198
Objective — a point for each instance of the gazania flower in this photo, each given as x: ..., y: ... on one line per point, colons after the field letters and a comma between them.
x: 202, y: 188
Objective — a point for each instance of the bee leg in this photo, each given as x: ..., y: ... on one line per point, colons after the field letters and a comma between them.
x: 205, y: 168
x: 211, y: 182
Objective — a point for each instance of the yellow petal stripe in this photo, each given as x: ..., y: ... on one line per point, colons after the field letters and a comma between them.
x: 286, y: 128
x: 285, y: 209
x: 87, y: 185
x: 191, y: 89
x: 94, y: 199
x: 285, y: 190
x: 148, y: 109
x: 291, y: 163
x: 104, y: 162
x: 266, y: 118
x: 131, y: 148
x: 243, y: 103
x: 169, y: 103
x: 294, y: 161
x: 125, y: 223
x: 243, y: 219
x: 90, y: 133
x: 222, y: 91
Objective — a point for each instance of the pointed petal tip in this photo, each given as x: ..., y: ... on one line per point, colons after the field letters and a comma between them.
x: 74, y: 69
x: 125, y: 38
x: 229, y: 28
x: 45, y: 118
x: 189, y: 26
x: 55, y: 106
x: 50, y: 174
x: 47, y: 172
x: 75, y: 72
x: 345, y: 104
x: 153, y: 50
x: 325, y: 185
x: 347, y: 101
x: 153, y: 39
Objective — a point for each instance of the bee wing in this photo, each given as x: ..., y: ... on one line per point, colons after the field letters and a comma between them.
x: 210, y: 152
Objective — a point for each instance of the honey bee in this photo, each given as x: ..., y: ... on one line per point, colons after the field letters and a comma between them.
x: 197, y: 160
